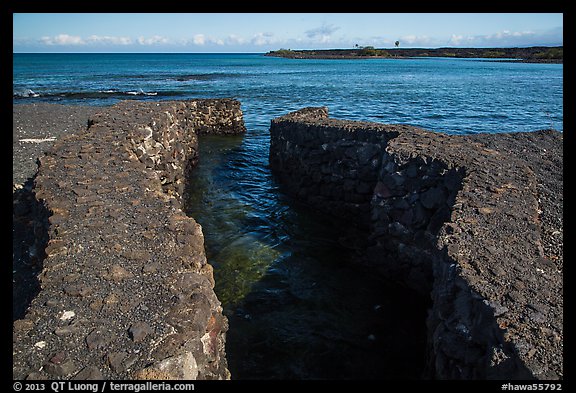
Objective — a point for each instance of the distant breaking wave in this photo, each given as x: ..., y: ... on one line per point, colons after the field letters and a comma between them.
x: 101, y: 94
x: 141, y: 93
x: 25, y: 93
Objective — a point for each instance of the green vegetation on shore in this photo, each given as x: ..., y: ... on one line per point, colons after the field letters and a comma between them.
x: 530, y: 54
x: 371, y: 51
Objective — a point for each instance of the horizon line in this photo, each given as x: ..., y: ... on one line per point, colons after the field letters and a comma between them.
x: 295, y: 50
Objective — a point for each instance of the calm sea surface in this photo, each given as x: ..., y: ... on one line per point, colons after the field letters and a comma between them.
x: 446, y: 95
x: 298, y: 305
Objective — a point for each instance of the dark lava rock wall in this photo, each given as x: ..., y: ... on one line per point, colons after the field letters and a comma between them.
x: 472, y: 220
x: 126, y: 291
x: 327, y: 164
x: 411, y: 201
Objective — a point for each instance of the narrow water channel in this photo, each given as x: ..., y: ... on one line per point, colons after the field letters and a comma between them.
x: 299, y: 304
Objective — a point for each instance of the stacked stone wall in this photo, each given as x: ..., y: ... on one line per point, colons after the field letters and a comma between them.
x: 458, y: 218
x: 126, y: 290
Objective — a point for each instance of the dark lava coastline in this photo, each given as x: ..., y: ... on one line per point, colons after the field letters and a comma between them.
x: 536, y: 54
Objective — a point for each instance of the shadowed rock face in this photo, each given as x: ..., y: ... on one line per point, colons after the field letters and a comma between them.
x: 29, y: 239
x: 473, y: 220
x: 126, y: 291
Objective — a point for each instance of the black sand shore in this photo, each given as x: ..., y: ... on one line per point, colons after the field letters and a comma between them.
x: 35, y: 127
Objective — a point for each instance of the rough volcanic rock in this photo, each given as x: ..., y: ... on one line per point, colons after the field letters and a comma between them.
x: 101, y: 311
x: 473, y: 220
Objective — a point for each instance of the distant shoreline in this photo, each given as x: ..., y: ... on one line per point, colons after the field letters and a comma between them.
x: 535, y: 54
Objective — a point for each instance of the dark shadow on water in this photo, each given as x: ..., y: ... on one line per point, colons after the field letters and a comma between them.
x: 29, y: 239
x: 319, y: 313
x: 379, y: 334
x: 300, y: 302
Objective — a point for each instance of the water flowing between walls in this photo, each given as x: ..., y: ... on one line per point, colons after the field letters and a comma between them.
x: 299, y: 303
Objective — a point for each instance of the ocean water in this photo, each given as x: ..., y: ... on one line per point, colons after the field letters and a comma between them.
x: 299, y: 303
x: 445, y: 95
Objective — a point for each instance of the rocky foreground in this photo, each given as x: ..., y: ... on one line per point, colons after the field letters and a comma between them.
x: 474, y: 221
x: 124, y: 287
x: 35, y: 128
x: 110, y: 276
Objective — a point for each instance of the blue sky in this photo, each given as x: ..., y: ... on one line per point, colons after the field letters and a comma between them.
x: 262, y: 32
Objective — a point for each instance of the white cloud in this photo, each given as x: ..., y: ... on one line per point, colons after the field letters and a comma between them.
x: 109, y: 40
x: 504, y: 38
x: 154, y: 40
x: 510, y: 38
x: 500, y: 38
x: 319, y: 37
x: 233, y: 39
x: 416, y: 40
x: 66, y: 39
x: 199, y: 39
x: 262, y: 39
x: 62, y: 39
x: 321, y: 34
x: 456, y: 39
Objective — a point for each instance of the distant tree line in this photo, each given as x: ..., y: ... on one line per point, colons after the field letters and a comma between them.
x: 283, y: 51
x: 371, y: 51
